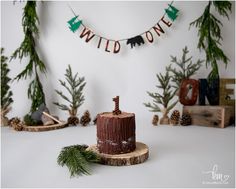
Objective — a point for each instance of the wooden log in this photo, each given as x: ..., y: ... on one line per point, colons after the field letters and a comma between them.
x: 211, y: 116
x: 44, y: 127
x: 140, y: 155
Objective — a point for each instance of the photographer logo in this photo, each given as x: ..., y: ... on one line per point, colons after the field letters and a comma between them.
x: 215, y: 177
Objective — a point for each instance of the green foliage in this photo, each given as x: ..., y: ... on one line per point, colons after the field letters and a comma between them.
x: 28, y: 49
x: 74, y: 86
x: 209, y: 33
x: 6, y: 93
x: 185, y: 68
x: 35, y: 93
x: 31, y: 122
x: 164, y: 98
x: 77, y: 159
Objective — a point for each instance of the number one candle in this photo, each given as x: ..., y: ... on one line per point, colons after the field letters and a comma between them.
x: 116, y: 111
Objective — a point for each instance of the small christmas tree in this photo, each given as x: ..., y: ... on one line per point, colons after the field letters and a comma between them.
x: 6, y: 93
x: 184, y: 68
x: 163, y: 99
x: 75, y: 87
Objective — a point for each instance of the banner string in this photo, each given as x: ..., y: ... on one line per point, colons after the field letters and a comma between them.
x: 124, y: 39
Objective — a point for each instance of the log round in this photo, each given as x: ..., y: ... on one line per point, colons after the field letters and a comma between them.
x: 138, y: 156
x: 44, y: 127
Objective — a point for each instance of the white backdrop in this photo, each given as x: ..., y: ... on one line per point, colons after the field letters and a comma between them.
x: 128, y: 74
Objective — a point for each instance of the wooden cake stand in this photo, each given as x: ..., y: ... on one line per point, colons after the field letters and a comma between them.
x: 44, y: 127
x: 140, y: 155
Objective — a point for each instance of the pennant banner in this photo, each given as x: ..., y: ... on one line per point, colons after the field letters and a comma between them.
x: 114, y: 46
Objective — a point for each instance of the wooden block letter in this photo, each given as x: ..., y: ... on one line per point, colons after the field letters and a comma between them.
x: 186, y: 86
x: 225, y: 92
x: 209, y: 90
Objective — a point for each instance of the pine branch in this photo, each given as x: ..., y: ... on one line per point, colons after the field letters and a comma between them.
x: 27, y: 48
x: 209, y: 33
x: 77, y: 159
x: 63, y: 96
x: 223, y: 7
x: 6, y: 93
x: 61, y: 106
x: 35, y: 93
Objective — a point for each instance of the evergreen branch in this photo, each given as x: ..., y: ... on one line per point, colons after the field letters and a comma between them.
x: 35, y: 93
x: 153, y: 108
x: 27, y: 47
x: 28, y: 71
x: 63, y: 96
x: 172, y: 106
x: 61, y: 106
x: 223, y: 7
x: 6, y: 93
x: 65, y: 86
x: 209, y: 33
x: 77, y: 159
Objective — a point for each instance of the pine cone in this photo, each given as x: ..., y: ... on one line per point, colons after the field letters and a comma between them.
x: 186, y: 119
x: 85, y: 119
x: 73, y: 120
x: 95, y: 120
x: 155, y: 120
x: 13, y: 121
x: 18, y: 126
x: 174, y: 118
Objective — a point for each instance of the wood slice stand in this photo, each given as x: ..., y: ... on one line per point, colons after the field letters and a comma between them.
x: 140, y: 155
x: 44, y: 127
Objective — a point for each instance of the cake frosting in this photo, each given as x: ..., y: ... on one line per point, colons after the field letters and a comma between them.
x: 116, y: 133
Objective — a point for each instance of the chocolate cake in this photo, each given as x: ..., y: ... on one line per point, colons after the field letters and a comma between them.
x: 116, y: 133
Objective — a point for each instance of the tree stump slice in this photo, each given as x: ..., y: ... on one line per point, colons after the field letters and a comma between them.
x: 139, y: 155
x: 44, y: 127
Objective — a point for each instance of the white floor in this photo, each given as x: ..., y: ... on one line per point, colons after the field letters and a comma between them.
x: 179, y: 157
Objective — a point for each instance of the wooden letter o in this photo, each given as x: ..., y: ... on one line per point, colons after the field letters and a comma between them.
x: 184, y: 89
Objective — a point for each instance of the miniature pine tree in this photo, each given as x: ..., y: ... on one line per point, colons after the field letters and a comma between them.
x: 164, y: 99
x: 74, y: 86
x: 184, y: 68
x: 28, y: 48
x: 209, y: 33
x: 6, y: 93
